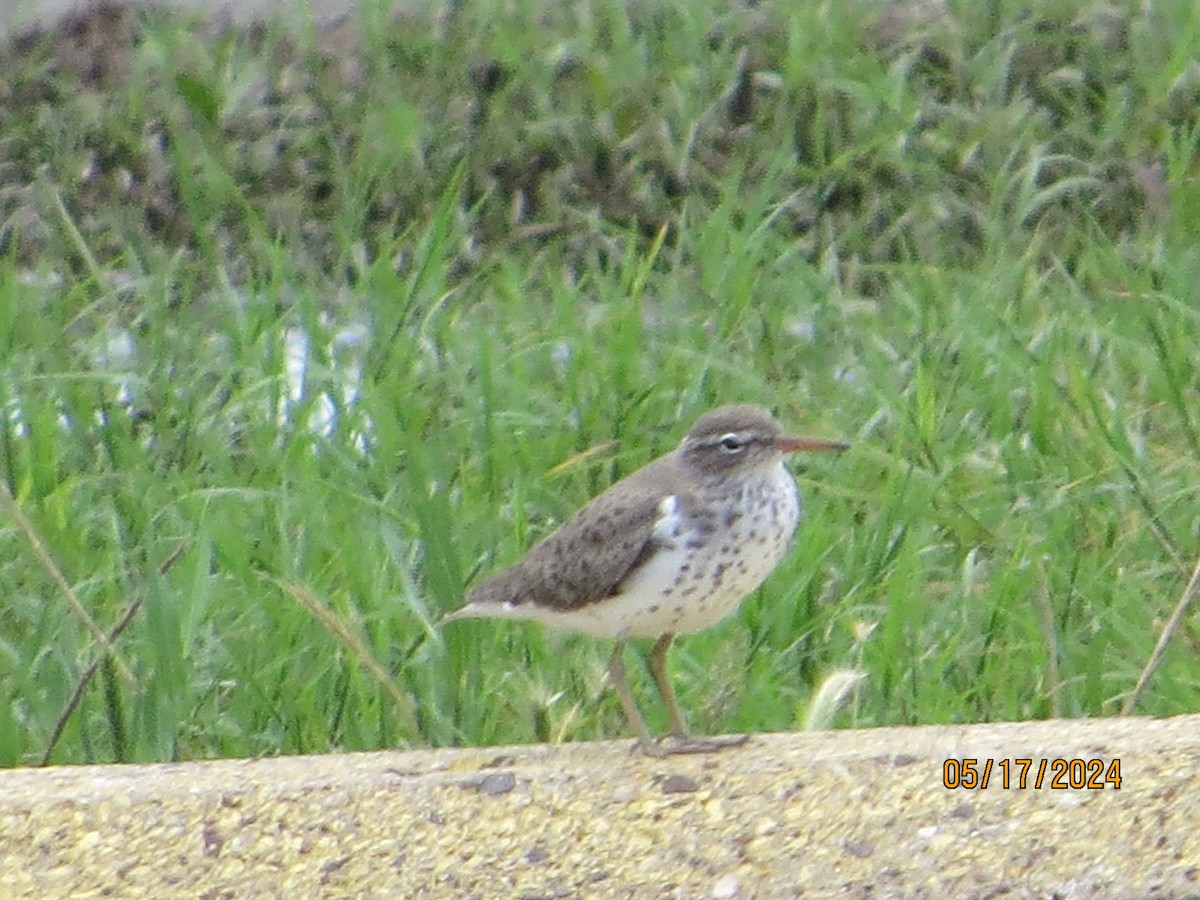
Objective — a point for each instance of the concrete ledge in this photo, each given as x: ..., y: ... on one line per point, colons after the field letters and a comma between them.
x: 859, y: 813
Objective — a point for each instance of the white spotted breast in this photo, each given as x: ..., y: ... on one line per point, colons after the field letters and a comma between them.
x: 697, y: 574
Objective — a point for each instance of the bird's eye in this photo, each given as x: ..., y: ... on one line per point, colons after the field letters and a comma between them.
x: 732, y: 443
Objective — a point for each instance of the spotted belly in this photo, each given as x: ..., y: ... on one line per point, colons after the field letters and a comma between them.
x: 683, y: 593
x: 699, y: 570
x: 694, y: 580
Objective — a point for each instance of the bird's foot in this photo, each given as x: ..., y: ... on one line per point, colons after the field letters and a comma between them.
x: 678, y: 744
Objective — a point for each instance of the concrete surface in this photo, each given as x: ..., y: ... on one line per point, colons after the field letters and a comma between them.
x: 849, y: 813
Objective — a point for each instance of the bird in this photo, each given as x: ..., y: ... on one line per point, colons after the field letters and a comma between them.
x: 671, y: 549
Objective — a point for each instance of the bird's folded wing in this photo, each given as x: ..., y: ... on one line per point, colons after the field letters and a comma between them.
x: 591, y: 554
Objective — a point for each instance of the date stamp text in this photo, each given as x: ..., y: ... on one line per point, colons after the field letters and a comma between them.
x: 1017, y: 773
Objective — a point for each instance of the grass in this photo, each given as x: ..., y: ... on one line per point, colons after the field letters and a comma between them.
x: 295, y: 341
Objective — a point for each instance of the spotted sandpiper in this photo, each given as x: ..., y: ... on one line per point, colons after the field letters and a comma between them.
x: 671, y: 549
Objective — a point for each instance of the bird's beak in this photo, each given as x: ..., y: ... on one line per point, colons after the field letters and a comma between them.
x: 788, y: 444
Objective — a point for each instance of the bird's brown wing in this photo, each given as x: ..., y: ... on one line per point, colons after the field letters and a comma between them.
x: 593, y: 552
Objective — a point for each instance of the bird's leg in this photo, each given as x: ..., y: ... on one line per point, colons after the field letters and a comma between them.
x: 620, y: 683
x: 658, y: 668
x: 680, y: 740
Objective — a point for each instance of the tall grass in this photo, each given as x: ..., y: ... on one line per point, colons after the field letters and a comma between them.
x: 295, y: 347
